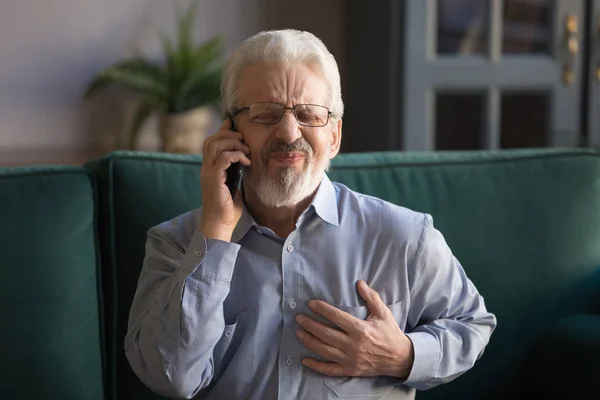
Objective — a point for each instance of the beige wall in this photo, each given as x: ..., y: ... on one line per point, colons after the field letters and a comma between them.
x: 50, y: 50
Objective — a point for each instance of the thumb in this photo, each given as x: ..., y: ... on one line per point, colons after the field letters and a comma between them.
x: 376, y: 306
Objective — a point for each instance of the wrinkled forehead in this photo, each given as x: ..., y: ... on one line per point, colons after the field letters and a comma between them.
x: 288, y: 84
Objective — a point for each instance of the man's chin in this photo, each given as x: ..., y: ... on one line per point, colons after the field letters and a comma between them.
x: 280, y: 171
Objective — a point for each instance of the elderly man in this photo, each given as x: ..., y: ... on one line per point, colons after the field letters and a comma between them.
x: 296, y: 287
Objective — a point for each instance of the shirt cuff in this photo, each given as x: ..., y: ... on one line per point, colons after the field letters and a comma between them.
x: 210, y: 258
x: 427, y: 358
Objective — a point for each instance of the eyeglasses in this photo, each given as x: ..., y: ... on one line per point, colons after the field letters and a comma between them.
x: 272, y: 113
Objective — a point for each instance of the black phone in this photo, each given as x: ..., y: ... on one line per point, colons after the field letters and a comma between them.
x: 234, y: 172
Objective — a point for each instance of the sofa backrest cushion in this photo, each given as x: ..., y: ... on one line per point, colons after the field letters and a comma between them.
x: 51, y: 335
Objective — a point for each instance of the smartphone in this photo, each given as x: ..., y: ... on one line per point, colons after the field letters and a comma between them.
x: 234, y: 172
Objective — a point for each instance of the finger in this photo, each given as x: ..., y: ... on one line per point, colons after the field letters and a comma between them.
x: 342, y: 319
x: 227, y: 134
x: 376, y: 306
x: 221, y: 135
x: 324, y: 350
x: 325, y: 368
x: 226, y: 125
x: 229, y: 157
x: 326, y: 334
x: 217, y: 147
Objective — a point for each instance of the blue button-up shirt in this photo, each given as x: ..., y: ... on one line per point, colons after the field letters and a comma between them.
x: 215, y: 319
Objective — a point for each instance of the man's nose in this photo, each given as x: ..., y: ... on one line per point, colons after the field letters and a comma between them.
x: 288, y: 128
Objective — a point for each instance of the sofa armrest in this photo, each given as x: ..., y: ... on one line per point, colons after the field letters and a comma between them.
x: 565, y: 362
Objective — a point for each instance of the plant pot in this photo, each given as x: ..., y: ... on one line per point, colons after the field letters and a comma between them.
x: 184, y: 132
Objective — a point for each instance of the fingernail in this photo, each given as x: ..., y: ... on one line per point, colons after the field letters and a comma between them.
x: 299, y: 319
x: 363, y: 283
x: 312, y: 303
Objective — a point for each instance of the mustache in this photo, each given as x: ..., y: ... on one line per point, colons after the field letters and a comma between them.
x: 279, y: 146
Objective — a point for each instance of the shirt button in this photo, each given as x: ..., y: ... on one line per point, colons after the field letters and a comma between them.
x: 289, y: 361
x: 290, y: 248
x: 259, y: 231
x: 228, y: 333
x: 197, y: 253
x: 292, y: 304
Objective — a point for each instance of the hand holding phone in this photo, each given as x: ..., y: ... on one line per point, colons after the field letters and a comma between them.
x: 224, y: 154
x: 234, y: 172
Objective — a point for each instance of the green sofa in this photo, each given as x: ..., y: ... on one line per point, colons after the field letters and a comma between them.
x: 524, y: 223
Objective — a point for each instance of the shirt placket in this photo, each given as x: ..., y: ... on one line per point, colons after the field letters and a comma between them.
x: 290, y: 366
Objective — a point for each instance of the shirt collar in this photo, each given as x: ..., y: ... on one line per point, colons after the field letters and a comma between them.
x: 244, y: 224
x: 324, y: 203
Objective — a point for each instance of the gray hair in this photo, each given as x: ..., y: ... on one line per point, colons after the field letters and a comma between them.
x: 285, y: 46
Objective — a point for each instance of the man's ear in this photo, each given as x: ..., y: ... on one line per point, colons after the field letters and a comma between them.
x: 336, y: 142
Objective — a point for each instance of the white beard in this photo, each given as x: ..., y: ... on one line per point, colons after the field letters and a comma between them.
x: 286, y: 187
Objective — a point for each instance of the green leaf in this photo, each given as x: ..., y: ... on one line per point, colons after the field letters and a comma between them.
x: 203, y: 75
x: 180, y: 54
x: 204, y: 90
x: 167, y: 45
x: 208, y: 81
x: 208, y: 53
x: 185, y: 24
x: 136, y: 75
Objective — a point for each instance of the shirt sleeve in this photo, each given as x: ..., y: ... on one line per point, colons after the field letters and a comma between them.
x: 176, y: 317
x: 451, y: 323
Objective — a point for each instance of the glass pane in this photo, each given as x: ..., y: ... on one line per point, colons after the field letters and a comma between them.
x: 462, y: 26
x: 528, y: 26
x: 525, y: 120
x: 459, y: 121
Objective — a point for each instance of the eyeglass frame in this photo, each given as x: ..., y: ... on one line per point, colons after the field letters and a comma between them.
x: 237, y: 111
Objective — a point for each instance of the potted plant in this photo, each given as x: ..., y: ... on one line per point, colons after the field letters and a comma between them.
x: 181, y: 89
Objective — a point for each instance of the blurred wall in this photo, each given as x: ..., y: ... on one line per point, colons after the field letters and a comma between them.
x: 51, y: 49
